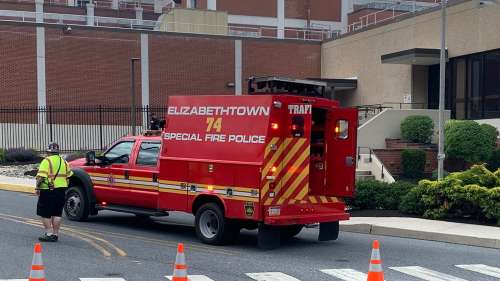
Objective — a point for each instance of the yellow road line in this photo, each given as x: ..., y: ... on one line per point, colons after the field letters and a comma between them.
x: 128, y: 236
x: 17, y: 187
x: 101, y: 249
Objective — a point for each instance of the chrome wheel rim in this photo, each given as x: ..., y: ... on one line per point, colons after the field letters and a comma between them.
x: 73, y: 204
x: 209, y: 224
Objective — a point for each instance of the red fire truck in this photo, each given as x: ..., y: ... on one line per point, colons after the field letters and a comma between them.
x: 266, y: 161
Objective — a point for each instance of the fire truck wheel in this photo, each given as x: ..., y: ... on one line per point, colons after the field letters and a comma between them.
x: 76, y: 207
x: 212, y: 227
x: 289, y: 231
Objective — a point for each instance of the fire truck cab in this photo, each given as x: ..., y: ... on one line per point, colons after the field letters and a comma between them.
x: 272, y: 162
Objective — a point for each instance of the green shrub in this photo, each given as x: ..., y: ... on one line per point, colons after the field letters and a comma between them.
x: 411, y: 203
x: 21, y: 155
x: 413, y: 163
x: 466, y: 201
x: 367, y: 194
x: 494, y: 161
x: 491, y: 205
x: 2, y: 155
x: 417, y: 128
x: 469, y: 141
x: 491, y: 134
x: 477, y: 174
x: 372, y: 194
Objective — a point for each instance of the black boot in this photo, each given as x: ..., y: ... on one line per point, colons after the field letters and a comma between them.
x: 47, y: 238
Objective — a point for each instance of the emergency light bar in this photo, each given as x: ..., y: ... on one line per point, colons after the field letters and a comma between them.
x: 283, y: 85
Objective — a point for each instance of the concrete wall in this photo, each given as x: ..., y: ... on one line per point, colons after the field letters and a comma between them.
x: 373, y: 133
x: 195, y: 21
x: 470, y: 30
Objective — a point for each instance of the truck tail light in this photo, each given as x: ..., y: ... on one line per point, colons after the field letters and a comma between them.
x: 274, y: 126
x: 274, y: 169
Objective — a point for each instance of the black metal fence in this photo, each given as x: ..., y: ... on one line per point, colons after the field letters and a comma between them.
x: 74, y: 128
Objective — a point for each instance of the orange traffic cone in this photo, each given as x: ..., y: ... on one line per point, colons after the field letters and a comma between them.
x: 375, y: 272
x: 37, y: 272
x: 180, y: 267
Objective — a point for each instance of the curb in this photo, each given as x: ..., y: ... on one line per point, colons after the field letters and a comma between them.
x: 17, y: 188
x: 422, y: 235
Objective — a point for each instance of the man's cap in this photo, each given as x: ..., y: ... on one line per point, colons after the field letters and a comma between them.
x: 53, y: 148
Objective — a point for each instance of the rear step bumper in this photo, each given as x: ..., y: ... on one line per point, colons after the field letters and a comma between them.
x: 306, y: 219
x: 133, y: 210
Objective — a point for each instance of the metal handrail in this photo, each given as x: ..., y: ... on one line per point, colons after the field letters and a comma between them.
x: 371, y: 154
x: 128, y: 23
x: 364, y: 21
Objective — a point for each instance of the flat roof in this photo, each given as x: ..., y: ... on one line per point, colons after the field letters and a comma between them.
x: 416, y: 56
x: 289, y: 80
x: 337, y: 84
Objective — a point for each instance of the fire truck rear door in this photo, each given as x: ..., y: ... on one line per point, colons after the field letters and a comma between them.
x: 340, y: 138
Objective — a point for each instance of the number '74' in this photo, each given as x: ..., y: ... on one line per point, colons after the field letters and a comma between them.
x: 214, y: 124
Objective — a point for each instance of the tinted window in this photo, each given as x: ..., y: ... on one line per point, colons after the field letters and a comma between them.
x: 122, y: 148
x: 148, y: 154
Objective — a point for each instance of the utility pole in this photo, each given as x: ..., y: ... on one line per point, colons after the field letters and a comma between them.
x: 132, y: 90
x: 442, y: 90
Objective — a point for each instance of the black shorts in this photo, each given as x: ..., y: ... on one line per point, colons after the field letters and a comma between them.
x: 51, y: 203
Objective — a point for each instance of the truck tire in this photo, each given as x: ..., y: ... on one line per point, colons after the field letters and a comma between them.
x: 212, y: 227
x: 328, y: 231
x: 76, y: 206
x: 289, y: 231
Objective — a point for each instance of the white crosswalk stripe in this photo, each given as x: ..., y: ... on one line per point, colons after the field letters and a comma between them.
x: 481, y: 268
x: 102, y: 279
x: 271, y: 276
x: 346, y: 274
x: 426, y: 274
x: 194, y: 278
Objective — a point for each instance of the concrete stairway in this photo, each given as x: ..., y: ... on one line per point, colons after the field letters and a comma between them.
x: 364, y: 175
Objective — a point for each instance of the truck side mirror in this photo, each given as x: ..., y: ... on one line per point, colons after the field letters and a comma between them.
x: 90, y: 157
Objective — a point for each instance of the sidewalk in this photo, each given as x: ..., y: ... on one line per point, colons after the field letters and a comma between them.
x: 423, y: 229
x: 17, y: 184
x: 433, y: 230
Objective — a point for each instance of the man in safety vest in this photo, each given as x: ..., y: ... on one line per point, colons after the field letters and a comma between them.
x: 51, y: 185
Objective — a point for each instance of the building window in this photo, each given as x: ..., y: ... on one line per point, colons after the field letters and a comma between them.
x: 492, y: 85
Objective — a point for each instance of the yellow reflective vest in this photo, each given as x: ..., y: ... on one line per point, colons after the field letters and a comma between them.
x: 49, y: 168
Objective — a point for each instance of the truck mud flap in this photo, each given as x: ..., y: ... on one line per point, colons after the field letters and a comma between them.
x: 269, y: 237
x: 328, y: 231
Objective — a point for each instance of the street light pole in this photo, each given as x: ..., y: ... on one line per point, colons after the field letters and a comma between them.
x: 132, y: 90
x: 442, y: 90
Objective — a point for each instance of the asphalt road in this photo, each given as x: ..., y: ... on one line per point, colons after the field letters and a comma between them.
x: 114, y: 245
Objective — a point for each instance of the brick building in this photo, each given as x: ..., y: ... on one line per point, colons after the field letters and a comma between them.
x: 45, y: 64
